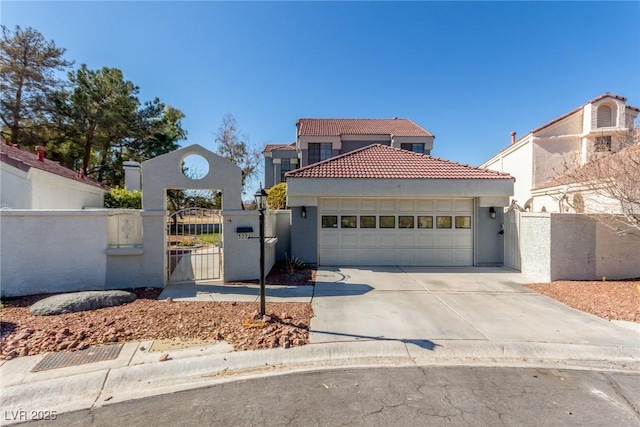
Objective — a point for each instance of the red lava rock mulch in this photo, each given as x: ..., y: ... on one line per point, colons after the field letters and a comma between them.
x: 611, y: 300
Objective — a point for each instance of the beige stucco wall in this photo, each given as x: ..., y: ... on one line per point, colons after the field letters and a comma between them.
x: 516, y: 161
x: 52, y: 251
x: 575, y: 247
x: 51, y: 191
x: 37, y: 189
x: 554, y: 157
x: 15, y: 188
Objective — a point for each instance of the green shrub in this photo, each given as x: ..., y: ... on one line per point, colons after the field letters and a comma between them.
x: 277, y: 197
x: 121, y: 198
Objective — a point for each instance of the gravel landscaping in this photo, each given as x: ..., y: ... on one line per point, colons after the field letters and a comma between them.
x: 611, y: 300
x: 287, y: 324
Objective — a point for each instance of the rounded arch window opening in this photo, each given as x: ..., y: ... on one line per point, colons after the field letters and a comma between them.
x: 195, y: 167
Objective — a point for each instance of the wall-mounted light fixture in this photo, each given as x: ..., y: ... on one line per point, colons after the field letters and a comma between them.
x: 492, y: 212
x: 303, y: 212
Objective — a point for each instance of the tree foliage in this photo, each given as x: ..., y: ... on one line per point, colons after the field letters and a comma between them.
x: 277, y: 197
x: 123, y: 199
x: 236, y: 147
x: 91, y: 122
x: 28, y: 66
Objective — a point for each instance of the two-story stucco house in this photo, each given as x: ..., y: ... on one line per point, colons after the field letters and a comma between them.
x: 539, y: 158
x: 321, y: 139
x: 278, y: 160
x: 369, y: 193
x: 30, y: 181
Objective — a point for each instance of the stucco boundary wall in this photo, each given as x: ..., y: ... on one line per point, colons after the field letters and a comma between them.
x: 50, y: 251
x: 562, y: 246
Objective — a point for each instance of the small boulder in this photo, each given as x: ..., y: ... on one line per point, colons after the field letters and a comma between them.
x: 80, y: 301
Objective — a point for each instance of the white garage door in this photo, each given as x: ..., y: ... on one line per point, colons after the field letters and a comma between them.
x: 429, y: 232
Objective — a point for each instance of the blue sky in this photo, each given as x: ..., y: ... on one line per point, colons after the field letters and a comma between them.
x: 468, y: 72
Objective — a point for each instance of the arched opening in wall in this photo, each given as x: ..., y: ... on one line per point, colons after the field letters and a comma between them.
x: 194, y: 235
x: 194, y: 166
x: 578, y: 203
x: 606, y: 117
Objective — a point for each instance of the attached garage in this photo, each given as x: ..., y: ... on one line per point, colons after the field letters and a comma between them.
x: 382, y: 206
x: 395, y: 231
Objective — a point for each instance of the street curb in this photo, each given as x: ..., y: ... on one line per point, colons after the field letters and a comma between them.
x: 130, y: 378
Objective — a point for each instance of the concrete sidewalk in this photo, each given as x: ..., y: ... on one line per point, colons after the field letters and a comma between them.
x: 138, y: 373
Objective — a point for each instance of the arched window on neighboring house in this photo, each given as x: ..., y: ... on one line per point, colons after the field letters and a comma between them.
x: 605, y: 116
x: 578, y: 203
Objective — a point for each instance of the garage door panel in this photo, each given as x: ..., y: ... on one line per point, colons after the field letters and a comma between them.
x: 405, y: 257
x: 328, y: 238
x: 367, y: 240
x: 328, y: 257
x: 387, y: 239
x: 425, y: 206
x: 368, y: 205
x: 395, y: 246
x: 349, y: 205
x: 425, y: 256
x: 387, y: 205
x: 329, y: 205
x: 348, y: 257
x: 464, y: 240
x: 405, y: 206
x: 444, y: 206
x: 464, y: 257
x: 349, y: 240
x: 406, y: 240
x: 444, y: 240
x: 462, y: 206
x: 425, y: 240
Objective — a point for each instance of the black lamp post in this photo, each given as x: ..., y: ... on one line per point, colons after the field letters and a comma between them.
x: 261, y: 203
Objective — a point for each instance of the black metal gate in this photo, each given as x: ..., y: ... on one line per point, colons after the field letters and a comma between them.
x: 194, y: 245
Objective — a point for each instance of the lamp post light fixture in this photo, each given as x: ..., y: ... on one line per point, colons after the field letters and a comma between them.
x: 261, y: 203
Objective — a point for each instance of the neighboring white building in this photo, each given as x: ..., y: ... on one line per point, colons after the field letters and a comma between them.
x: 29, y: 181
x: 540, y: 157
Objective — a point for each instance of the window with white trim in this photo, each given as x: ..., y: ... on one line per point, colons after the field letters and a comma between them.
x: 605, y: 117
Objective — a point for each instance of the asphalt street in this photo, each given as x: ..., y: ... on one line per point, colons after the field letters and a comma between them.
x: 409, y: 396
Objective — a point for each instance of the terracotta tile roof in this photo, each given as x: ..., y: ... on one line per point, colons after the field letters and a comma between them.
x: 25, y: 160
x: 273, y: 147
x: 596, y: 99
x: 379, y: 161
x: 336, y: 127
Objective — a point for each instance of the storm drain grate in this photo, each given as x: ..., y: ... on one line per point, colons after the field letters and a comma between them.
x: 64, y: 359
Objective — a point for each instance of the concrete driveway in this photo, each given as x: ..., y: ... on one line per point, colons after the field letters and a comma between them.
x: 464, y: 303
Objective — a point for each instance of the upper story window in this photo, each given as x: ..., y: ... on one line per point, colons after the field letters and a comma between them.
x: 416, y: 148
x: 285, y: 166
x: 602, y: 143
x: 605, y: 116
x: 319, y: 151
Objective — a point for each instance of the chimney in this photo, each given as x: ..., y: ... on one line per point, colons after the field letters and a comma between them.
x: 513, y: 137
x: 40, y: 152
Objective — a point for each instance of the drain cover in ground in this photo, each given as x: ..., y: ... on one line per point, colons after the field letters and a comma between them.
x: 81, y: 357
